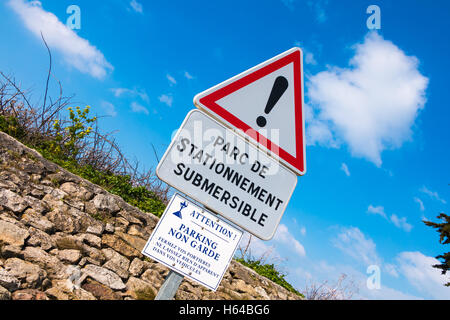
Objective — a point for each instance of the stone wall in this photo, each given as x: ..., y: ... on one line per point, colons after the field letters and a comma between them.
x: 62, y: 237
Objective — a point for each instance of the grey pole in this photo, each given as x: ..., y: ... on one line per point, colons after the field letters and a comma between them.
x: 170, y: 286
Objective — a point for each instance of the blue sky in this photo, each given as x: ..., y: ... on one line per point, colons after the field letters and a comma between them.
x: 377, y: 116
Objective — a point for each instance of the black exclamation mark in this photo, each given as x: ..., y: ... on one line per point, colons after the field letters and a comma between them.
x: 279, y: 87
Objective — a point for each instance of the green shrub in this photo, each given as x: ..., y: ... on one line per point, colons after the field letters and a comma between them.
x: 270, y: 272
x: 63, y: 149
x: 139, y: 196
x: 11, y: 126
x: 66, y: 142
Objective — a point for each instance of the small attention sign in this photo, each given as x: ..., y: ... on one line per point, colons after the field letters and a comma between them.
x: 193, y: 242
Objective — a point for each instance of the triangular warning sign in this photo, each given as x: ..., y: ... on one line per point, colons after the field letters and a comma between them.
x: 266, y: 103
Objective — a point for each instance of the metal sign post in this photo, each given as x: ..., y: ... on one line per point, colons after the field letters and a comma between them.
x: 170, y: 286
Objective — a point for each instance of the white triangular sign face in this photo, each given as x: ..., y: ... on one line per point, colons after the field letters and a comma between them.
x: 266, y: 103
x: 243, y: 104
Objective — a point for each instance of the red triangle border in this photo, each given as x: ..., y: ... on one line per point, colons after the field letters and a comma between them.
x: 209, y: 101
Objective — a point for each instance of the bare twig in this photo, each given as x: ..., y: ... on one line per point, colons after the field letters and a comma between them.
x: 49, y: 73
x: 343, y: 289
x: 97, y: 150
x: 12, y: 83
x: 154, y: 151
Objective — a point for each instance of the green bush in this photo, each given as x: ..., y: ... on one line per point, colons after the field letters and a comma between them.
x: 66, y: 142
x: 11, y: 126
x: 270, y: 272
x: 63, y: 149
x: 139, y: 196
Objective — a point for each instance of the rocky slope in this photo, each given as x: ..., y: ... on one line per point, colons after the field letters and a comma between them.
x: 62, y: 237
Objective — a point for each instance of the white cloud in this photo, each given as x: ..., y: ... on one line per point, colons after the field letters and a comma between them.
x: 319, y: 8
x: 414, y: 268
x: 354, y: 243
x: 303, y: 231
x: 283, y: 235
x: 137, y: 7
x: 138, y: 108
x: 319, y: 271
x: 401, y: 223
x: 121, y: 92
x: 171, y: 79
x: 372, y: 105
x: 118, y: 92
x: 166, y: 99
x: 344, y: 168
x: 420, y: 202
x: 409, y: 268
x: 269, y: 250
x: 432, y: 194
x: 309, y: 58
x: 417, y: 268
x: 391, y: 269
x: 77, y: 52
x: 188, y: 76
x: 108, y: 108
x: 289, y: 4
x: 385, y: 293
x: 377, y: 210
x: 318, y: 132
x: 257, y: 248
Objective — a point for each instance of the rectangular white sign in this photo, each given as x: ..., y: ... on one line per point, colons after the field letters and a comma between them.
x: 193, y: 242
x: 230, y: 176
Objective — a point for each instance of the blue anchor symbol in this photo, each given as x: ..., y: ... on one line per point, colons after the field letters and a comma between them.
x: 178, y: 213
